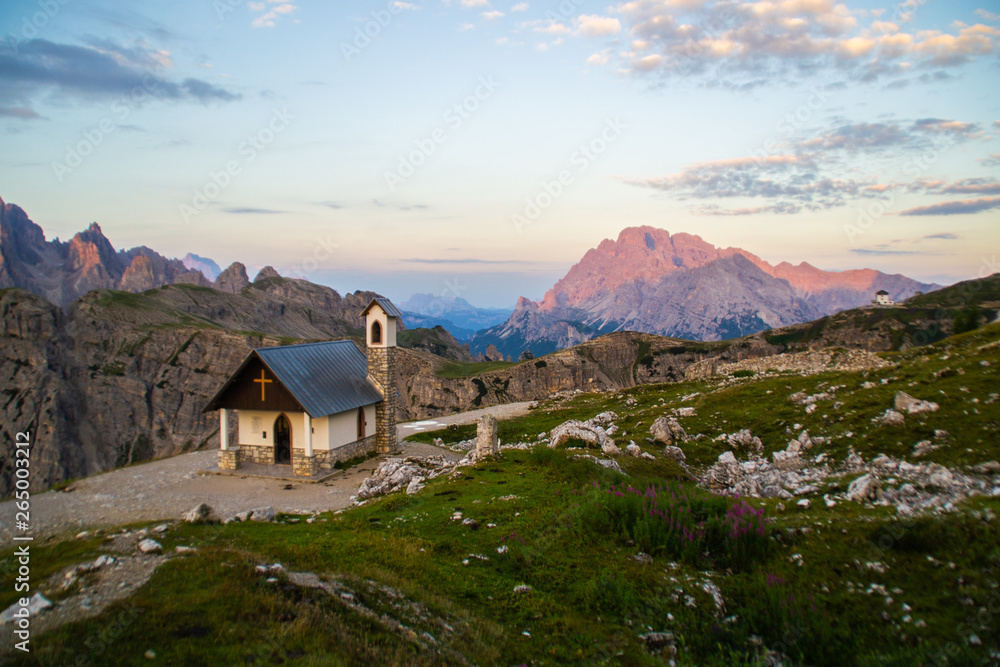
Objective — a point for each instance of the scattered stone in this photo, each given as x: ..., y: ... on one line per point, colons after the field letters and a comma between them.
x: 36, y: 605
x: 642, y: 558
x: 160, y: 529
x: 633, y: 449
x: 591, y: 432
x: 521, y: 589
x: 804, y: 503
x: 650, y: 457
x: 913, y: 406
x: 415, y: 485
x: 181, y: 550
x: 657, y: 640
x: 667, y: 430
x: 745, y: 440
x: 604, y: 463
x: 263, y: 514
x: 149, y: 655
x: 864, y: 488
x: 676, y: 453
x: 396, y: 474
x: 890, y: 418
x: 684, y: 412
x: 198, y: 514
x: 150, y: 546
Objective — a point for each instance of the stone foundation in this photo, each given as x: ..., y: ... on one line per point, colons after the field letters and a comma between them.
x: 327, y: 459
x: 256, y: 454
x: 302, y: 465
x: 228, y: 459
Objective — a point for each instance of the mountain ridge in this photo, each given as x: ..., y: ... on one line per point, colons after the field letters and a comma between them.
x: 680, y: 285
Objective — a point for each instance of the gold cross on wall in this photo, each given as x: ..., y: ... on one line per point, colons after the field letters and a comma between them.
x: 263, y: 383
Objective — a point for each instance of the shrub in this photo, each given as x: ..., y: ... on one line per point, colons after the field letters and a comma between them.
x: 744, y: 374
x: 680, y: 521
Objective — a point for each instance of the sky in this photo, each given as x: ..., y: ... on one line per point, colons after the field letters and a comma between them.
x: 478, y: 148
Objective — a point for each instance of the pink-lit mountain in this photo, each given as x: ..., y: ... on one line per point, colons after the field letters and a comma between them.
x: 679, y: 285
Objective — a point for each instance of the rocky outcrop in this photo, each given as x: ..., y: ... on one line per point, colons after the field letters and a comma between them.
x: 233, y: 279
x: 265, y: 273
x: 590, y: 432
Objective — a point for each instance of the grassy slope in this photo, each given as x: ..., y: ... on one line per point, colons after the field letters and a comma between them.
x: 590, y: 599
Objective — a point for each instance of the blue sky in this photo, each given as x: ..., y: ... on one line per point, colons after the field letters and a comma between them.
x: 479, y: 147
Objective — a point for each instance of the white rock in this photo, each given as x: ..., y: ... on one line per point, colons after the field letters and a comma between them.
x: 863, y: 488
x: 804, y: 503
x: 727, y: 457
x: 149, y: 546
x: 913, y: 406
x: 263, y: 514
x: 199, y: 513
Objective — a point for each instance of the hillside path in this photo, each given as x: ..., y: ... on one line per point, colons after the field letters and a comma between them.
x: 166, y: 488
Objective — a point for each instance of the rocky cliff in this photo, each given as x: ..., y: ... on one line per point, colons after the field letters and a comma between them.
x: 679, y: 285
x: 60, y: 272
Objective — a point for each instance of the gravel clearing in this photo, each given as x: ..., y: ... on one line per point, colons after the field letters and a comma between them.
x: 166, y: 488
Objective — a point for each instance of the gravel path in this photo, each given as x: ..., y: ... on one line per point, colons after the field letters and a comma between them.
x: 166, y: 488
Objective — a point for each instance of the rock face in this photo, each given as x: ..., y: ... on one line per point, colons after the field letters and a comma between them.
x: 679, y: 285
x: 233, y: 279
x: 63, y: 271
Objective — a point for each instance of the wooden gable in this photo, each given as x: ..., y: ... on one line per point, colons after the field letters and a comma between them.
x: 256, y: 388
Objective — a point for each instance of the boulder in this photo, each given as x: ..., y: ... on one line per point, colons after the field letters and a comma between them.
x: 263, y: 514
x: 745, y: 440
x: 890, y: 418
x: 149, y: 546
x: 487, y: 442
x: 676, y: 453
x: 864, y: 488
x: 667, y: 430
x: 198, y: 514
x: 592, y: 434
x: 913, y: 406
x: 633, y: 449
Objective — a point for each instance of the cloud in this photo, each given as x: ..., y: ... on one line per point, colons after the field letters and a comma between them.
x: 92, y: 72
x: 859, y: 136
x: 23, y: 113
x: 466, y: 260
x: 475, y: 3
x: 992, y: 161
x: 520, y: 7
x: 492, y: 15
x: 952, y: 127
x: 735, y: 43
x: 792, y: 181
x: 269, y: 19
x: 466, y: 26
x: 252, y: 211
x: 958, y: 207
x: 882, y: 250
x: 590, y: 25
x: 944, y: 236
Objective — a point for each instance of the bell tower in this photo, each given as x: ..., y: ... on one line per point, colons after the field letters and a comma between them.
x: 380, y: 336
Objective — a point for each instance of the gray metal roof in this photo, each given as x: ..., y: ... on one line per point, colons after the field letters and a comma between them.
x: 386, y: 305
x: 325, y: 378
